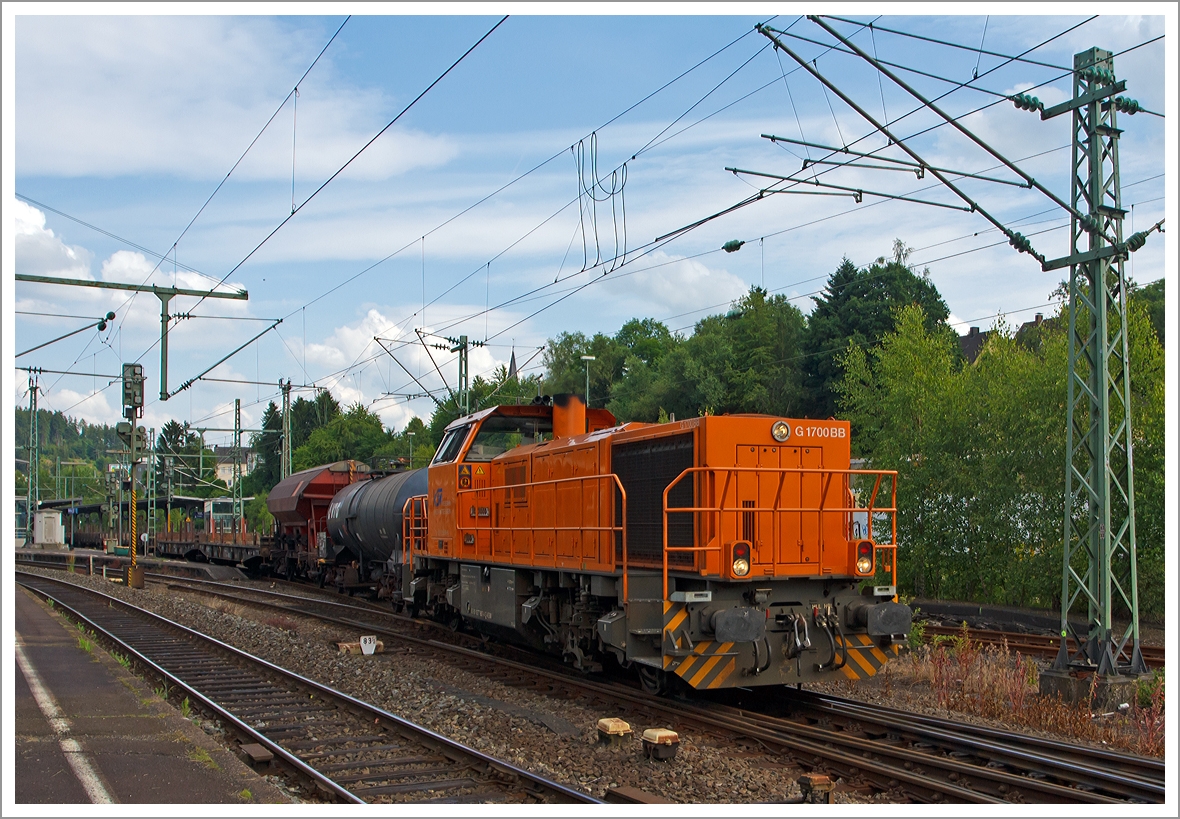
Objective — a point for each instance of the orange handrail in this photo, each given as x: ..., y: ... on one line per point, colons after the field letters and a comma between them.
x: 621, y: 529
x: 414, y: 527
x: 730, y: 471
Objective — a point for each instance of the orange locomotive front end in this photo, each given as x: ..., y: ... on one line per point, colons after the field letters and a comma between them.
x: 722, y: 550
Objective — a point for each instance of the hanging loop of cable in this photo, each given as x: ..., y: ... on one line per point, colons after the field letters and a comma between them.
x: 294, y: 123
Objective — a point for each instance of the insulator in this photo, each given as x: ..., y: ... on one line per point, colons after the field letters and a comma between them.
x: 732, y: 245
x: 1127, y: 105
x: 1136, y: 240
x: 1020, y: 242
x: 1097, y: 73
x: 1027, y: 102
x: 1089, y: 223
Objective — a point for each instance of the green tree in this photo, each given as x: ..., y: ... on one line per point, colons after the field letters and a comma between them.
x: 1151, y: 297
x: 308, y: 416
x: 980, y: 455
x: 258, y: 516
x: 269, y: 446
x: 748, y: 360
x: 858, y: 306
x: 354, y: 435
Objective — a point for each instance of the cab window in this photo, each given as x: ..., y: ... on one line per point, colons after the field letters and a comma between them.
x: 498, y: 434
x: 452, y: 444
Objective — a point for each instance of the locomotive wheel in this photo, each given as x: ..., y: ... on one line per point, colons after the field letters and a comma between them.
x: 653, y: 680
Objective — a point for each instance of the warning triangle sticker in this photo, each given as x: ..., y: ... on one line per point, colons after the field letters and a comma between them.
x: 479, y: 470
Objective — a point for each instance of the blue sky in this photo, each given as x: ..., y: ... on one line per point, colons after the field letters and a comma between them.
x: 128, y: 123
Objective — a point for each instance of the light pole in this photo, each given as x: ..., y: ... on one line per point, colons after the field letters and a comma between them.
x: 410, y: 438
x: 588, y: 359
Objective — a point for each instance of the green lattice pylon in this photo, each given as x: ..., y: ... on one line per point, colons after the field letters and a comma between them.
x: 1099, y: 568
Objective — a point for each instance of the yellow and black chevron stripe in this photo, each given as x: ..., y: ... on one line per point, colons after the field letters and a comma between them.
x: 865, y: 657
x: 710, y: 663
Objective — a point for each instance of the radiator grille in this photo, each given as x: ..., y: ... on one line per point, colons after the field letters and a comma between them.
x: 645, y: 468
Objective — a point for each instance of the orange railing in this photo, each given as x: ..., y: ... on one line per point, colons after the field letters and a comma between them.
x: 716, y: 512
x: 414, y: 528
x: 510, y: 496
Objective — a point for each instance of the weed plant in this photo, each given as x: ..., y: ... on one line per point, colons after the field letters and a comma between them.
x: 996, y: 683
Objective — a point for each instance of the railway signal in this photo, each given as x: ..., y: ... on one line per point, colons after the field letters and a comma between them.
x: 135, y: 438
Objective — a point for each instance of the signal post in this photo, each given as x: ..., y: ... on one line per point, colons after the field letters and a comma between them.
x: 135, y: 438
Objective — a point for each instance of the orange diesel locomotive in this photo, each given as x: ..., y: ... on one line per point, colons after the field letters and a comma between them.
x: 725, y: 551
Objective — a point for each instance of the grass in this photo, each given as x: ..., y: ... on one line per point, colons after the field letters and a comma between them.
x: 121, y: 659
x: 201, y: 756
x: 186, y: 710
x: 245, y: 795
x: 85, y: 644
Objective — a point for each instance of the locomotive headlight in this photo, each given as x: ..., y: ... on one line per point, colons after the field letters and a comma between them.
x: 781, y: 431
x: 864, y: 557
x: 741, y: 558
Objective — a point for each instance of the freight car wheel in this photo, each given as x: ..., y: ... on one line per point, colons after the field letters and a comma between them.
x: 653, y: 680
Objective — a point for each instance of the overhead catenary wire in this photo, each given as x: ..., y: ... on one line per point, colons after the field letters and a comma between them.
x: 122, y: 309
x: 341, y: 170
x: 485, y: 312
x: 201, y: 210
x: 954, y: 122
x: 651, y: 144
x: 979, y: 49
x: 937, y: 125
x: 363, y: 148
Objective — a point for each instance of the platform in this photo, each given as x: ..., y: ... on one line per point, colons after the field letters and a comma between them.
x: 111, y: 739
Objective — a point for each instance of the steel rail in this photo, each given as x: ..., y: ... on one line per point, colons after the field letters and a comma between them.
x: 1145, y: 772
x: 1045, y: 645
x: 1047, y: 758
x: 467, y: 757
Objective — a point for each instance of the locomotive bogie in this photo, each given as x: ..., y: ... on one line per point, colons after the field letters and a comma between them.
x: 708, y: 634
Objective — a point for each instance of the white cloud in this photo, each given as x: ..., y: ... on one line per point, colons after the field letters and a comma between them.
x: 181, y: 95
x: 41, y: 253
x: 675, y: 286
x: 95, y: 407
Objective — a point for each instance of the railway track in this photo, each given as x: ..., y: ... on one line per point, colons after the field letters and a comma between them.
x: 1035, y: 645
x: 351, y: 750
x: 921, y: 758
x: 1120, y: 776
